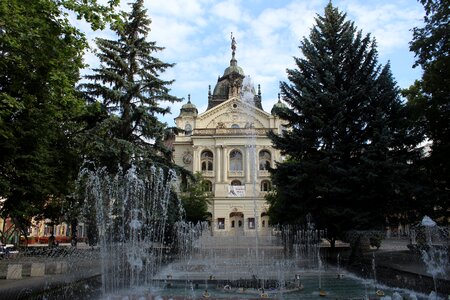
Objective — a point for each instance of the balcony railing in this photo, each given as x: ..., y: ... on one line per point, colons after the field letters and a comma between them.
x: 263, y: 173
x: 235, y: 173
x: 231, y: 131
x: 208, y: 173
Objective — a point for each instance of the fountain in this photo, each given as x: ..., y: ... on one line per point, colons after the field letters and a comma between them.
x: 322, y: 293
x: 247, y: 96
x: 131, y: 215
x: 340, y: 275
x: 432, y: 243
x: 378, y: 292
x: 137, y: 263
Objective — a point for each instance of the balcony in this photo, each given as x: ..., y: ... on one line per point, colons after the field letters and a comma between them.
x: 264, y: 173
x: 208, y: 173
x: 231, y: 131
x: 235, y: 173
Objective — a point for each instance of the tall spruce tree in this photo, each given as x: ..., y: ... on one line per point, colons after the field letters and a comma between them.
x: 129, y: 89
x: 348, y: 148
x: 429, y: 100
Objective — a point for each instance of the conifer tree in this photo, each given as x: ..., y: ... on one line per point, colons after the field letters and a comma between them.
x: 348, y: 148
x: 129, y: 88
x: 429, y: 100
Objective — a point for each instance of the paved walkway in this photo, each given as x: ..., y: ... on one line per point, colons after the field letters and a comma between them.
x: 78, y: 265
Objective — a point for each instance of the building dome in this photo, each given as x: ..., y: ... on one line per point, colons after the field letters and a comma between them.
x: 221, y: 89
x: 230, y: 84
x: 188, y: 108
x: 278, y: 105
x: 233, y: 68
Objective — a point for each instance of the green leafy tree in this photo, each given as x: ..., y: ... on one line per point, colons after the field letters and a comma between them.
x: 348, y: 147
x: 129, y: 89
x: 40, y: 58
x: 195, y: 199
x: 429, y: 98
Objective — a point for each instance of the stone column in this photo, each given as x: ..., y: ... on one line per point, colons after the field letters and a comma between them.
x: 217, y: 163
x: 225, y: 164
x: 196, y: 164
x: 247, y: 169
x: 272, y: 157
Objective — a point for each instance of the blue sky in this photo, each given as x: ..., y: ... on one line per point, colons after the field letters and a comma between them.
x: 196, y: 37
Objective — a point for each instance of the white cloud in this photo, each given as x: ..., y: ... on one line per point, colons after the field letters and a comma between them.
x: 196, y: 35
x: 230, y: 10
x: 179, y: 9
x: 173, y: 35
x: 389, y: 23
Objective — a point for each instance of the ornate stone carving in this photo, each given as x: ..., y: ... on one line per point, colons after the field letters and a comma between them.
x: 187, y: 158
x: 220, y: 125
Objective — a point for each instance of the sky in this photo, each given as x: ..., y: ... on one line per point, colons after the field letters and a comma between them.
x: 196, y: 37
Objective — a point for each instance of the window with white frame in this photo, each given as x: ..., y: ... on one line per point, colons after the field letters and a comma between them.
x: 265, y: 186
x: 207, y: 185
x: 236, y: 163
x: 251, y: 223
x: 188, y: 129
x: 207, y: 160
x: 220, y: 223
x: 264, y: 160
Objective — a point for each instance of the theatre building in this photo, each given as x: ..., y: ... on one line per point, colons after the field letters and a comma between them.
x: 228, y: 144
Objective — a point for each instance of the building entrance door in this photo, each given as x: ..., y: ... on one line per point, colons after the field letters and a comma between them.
x: 236, y: 223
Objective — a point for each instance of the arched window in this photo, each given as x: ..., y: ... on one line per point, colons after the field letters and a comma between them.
x: 236, y: 182
x: 207, y: 160
x: 264, y: 219
x: 235, y: 126
x: 207, y: 186
x: 264, y: 160
x: 265, y: 186
x: 235, y: 160
x: 188, y: 129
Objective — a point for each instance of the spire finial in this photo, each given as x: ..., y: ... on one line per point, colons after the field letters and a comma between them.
x: 279, y: 100
x: 233, y: 45
x: 189, y: 98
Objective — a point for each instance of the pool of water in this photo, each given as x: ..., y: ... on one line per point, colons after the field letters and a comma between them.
x: 348, y: 287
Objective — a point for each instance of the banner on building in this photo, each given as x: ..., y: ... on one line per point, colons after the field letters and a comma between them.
x: 236, y: 191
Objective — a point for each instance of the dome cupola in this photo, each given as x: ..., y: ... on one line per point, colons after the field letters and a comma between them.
x: 229, y: 84
x: 188, y: 109
x: 278, y: 105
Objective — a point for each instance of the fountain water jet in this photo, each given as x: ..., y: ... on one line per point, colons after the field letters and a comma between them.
x: 248, y: 96
x: 433, y: 248
x: 131, y: 215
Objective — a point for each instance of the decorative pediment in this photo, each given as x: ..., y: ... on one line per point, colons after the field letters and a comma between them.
x: 233, y: 114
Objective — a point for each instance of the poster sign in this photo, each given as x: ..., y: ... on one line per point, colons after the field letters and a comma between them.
x: 236, y: 191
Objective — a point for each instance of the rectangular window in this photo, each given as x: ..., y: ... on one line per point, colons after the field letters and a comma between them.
x: 251, y: 223
x: 220, y: 223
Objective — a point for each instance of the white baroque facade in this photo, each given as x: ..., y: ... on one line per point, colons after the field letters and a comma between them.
x: 228, y: 144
